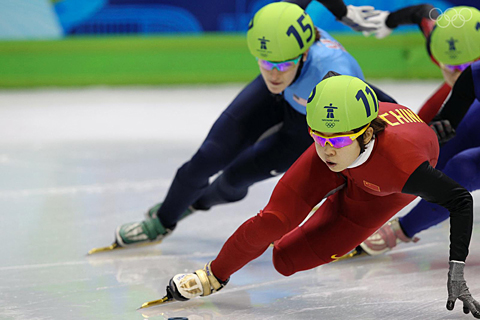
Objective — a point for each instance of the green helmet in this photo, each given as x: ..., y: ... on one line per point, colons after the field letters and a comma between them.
x: 280, y: 31
x: 341, y: 103
x: 456, y: 37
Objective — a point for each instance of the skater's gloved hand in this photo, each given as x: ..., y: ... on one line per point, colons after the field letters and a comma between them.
x: 381, y: 20
x: 457, y: 289
x: 443, y: 129
x: 357, y: 18
x: 202, y: 282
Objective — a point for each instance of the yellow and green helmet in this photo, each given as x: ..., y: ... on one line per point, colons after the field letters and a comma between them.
x: 455, y: 39
x: 280, y: 31
x: 340, y: 104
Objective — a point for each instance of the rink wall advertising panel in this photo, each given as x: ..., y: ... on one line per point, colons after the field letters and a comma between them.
x: 117, y: 42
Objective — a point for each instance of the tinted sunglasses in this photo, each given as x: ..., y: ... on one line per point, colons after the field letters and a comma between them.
x: 458, y: 67
x: 339, y: 141
x: 280, y: 66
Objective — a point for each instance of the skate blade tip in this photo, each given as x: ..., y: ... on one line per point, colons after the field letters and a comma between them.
x: 103, y: 249
x: 143, y: 307
x: 154, y: 303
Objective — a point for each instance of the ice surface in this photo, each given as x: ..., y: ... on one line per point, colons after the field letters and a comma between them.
x: 74, y: 164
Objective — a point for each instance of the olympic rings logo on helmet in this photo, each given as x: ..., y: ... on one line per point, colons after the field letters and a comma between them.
x: 457, y: 20
x: 330, y: 124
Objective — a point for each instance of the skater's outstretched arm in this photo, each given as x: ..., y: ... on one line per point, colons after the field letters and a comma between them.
x: 354, y: 17
x: 462, y: 97
x: 456, y: 106
x: 434, y: 186
x: 423, y: 15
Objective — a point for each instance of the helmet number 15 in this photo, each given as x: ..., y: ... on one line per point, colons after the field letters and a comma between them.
x: 361, y: 95
x: 292, y: 30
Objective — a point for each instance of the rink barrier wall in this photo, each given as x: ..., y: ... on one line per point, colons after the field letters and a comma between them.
x: 166, y: 60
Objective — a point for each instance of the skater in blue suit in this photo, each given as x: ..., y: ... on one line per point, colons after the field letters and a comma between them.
x: 293, y: 56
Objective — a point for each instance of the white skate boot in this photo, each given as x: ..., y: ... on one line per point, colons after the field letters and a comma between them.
x: 385, y: 238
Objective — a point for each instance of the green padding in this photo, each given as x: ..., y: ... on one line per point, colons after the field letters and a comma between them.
x: 398, y: 56
x: 212, y: 58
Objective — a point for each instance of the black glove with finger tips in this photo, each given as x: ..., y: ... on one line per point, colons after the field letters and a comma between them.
x: 457, y: 289
x: 443, y: 129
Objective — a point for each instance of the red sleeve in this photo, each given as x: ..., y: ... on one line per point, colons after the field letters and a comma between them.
x: 434, y: 103
x: 302, y: 187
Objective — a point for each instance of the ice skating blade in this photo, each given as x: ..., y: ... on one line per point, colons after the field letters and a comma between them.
x: 113, y: 246
x: 156, y: 302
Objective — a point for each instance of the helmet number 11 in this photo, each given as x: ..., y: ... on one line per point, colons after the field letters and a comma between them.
x: 361, y: 95
x: 292, y: 30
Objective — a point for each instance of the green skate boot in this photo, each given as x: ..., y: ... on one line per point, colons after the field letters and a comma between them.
x: 147, y: 232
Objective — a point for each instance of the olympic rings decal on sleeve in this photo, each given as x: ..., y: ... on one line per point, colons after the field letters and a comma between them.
x: 457, y: 20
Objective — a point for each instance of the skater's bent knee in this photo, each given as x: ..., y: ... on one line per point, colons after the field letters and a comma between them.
x: 282, y: 264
